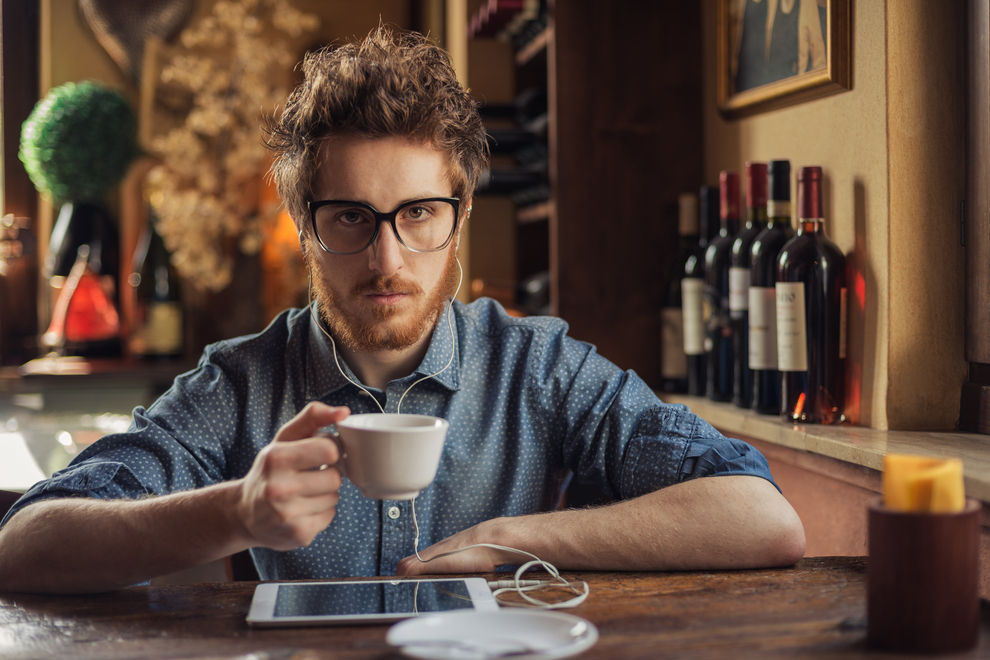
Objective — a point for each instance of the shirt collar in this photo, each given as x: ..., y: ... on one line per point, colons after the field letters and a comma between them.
x: 324, y: 378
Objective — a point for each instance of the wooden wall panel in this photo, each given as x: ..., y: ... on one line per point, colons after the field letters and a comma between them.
x: 625, y: 93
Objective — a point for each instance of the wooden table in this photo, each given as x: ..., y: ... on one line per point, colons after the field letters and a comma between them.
x: 815, y: 608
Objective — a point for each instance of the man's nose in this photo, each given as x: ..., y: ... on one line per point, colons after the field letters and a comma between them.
x: 385, y: 254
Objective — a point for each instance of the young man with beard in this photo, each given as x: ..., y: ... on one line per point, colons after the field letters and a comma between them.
x: 378, y: 152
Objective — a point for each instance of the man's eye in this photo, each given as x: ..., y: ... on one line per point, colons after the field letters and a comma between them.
x: 417, y: 213
x: 350, y: 218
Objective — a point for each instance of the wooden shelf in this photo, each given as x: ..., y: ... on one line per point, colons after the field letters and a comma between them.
x: 539, y: 212
x: 615, y: 137
x: 74, y: 373
x: 856, y: 445
x: 539, y: 44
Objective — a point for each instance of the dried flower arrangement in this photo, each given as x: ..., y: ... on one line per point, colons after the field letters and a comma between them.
x: 226, y: 72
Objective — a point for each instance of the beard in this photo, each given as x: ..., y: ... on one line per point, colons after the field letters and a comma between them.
x: 384, y: 330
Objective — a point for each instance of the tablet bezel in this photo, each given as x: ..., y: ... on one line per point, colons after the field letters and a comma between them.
x: 261, y: 612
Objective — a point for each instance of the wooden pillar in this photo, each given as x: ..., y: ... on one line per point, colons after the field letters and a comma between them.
x: 974, y: 413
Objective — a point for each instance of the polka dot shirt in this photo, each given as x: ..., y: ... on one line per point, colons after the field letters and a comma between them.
x: 529, y: 408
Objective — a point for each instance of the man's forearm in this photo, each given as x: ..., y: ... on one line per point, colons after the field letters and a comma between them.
x: 713, y: 522
x: 86, y: 545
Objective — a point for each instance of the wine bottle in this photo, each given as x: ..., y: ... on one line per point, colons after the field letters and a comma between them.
x: 718, y: 258
x: 89, y: 226
x: 159, y: 320
x: 673, y: 359
x: 811, y: 304
x: 762, y: 294
x: 695, y: 308
x: 756, y: 218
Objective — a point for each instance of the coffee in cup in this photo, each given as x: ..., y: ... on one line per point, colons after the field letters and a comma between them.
x: 389, y: 456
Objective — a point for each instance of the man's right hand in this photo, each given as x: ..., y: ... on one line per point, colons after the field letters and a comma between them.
x: 290, y: 493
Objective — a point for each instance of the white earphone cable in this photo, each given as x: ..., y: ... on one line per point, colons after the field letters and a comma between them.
x: 450, y: 361
x: 580, y: 588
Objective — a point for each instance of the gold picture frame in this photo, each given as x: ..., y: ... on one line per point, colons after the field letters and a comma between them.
x: 805, y: 53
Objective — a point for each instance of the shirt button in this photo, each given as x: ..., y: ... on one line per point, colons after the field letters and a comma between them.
x: 393, y: 512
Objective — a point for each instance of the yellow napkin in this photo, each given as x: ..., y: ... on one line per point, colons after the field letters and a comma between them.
x: 919, y: 483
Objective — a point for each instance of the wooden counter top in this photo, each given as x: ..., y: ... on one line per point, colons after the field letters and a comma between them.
x: 816, y: 608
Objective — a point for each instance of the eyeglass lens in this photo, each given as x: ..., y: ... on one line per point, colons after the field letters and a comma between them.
x: 421, y: 225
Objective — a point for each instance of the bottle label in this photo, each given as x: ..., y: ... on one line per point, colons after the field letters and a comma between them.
x: 693, y: 318
x: 842, y: 324
x: 738, y: 289
x: 163, y: 331
x: 762, y: 327
x: 778, y: 208
x: 673, y: 360
x: 792, y: 335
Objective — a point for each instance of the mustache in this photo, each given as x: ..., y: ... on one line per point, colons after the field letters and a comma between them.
x: 382, y: 285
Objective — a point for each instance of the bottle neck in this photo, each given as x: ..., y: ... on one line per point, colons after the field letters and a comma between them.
x: 756, y: 216
x: 729, y: 226
x: 778, y: 212
x: 810, y: 225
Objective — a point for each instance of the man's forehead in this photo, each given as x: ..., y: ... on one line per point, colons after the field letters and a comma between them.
x: 349, y: 162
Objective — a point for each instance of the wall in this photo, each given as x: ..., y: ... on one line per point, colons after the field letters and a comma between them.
x: 892, y: 150
x: 926, y: 115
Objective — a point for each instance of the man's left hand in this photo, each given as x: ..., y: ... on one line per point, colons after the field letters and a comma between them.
x: 475, y: 560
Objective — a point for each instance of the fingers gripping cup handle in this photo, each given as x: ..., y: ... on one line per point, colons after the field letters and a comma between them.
x: 330, y: 432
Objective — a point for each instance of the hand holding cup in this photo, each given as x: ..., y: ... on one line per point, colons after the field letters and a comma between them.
x: 290, y: 493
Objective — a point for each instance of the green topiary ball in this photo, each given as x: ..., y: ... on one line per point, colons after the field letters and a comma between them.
x: 78, y: 142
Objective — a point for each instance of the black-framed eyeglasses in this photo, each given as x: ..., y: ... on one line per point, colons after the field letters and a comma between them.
x: 346, y: 227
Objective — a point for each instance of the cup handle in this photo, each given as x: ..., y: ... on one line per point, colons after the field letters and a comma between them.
x: 331, y: 433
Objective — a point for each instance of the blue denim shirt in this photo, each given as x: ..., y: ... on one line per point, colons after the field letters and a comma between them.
x: 528, y: 406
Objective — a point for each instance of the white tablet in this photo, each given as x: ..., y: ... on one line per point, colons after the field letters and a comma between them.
x: 329, y: 602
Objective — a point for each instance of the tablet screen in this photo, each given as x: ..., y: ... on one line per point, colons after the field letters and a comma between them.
x: 360, y: 598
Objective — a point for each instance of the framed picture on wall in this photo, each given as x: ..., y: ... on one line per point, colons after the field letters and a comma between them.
x: 773, y: 53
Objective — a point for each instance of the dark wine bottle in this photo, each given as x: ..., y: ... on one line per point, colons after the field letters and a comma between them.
x: 693, y: 303
x: 158, y: 306
x: 756, y: 218
x: 90, y: 227
x: 811, y: 319
x: 673, y: 359
x: 762, y: 295
x: 718, y: 258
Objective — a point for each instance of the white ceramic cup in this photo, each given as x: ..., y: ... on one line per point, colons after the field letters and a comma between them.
x: 389, y: 456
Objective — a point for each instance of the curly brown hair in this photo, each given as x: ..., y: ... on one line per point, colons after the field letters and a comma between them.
x: 393, y: 83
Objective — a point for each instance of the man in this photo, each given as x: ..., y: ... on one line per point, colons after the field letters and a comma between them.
x: 379, y: 150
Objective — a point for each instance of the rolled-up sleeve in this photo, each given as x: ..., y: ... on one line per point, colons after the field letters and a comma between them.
x: 100, y: 479
x: 171, y: 446
x: 621, y: 437
x: 671, y: 444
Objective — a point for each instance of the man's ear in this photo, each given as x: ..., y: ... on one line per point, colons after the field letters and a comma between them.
x: 470, y: 205
x: 460, y: 226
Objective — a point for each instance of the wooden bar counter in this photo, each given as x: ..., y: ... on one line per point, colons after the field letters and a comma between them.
x: 816, y: 608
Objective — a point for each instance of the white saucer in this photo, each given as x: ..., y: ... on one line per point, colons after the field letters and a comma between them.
x: 474, y: 635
